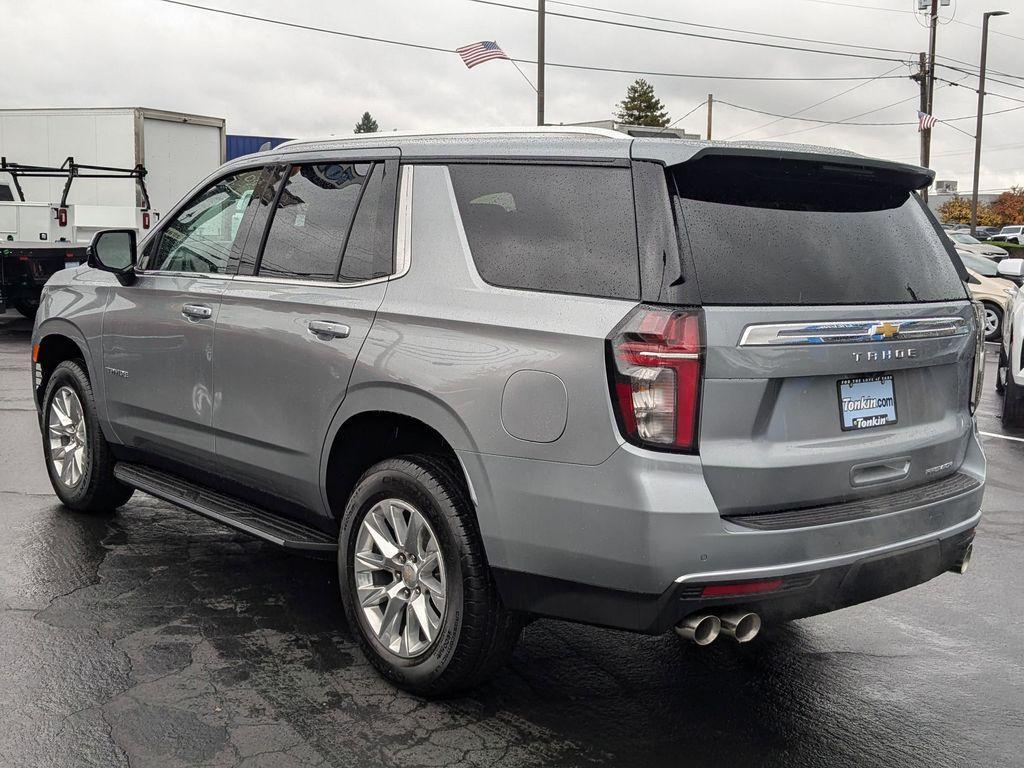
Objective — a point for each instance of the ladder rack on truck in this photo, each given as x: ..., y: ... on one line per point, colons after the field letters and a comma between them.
x: 40, y: 238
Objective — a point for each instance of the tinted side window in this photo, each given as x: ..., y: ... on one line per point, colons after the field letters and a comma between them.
x: 565, y: 229
x: 364, y: 254
x: 6, y: 196
x: 201, y: 236
x: 311, y: 221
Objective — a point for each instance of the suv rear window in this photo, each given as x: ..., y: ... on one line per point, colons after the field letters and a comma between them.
x: 564, y: 229
x: 769, y: 231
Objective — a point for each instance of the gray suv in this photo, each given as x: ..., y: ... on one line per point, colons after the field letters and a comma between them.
x: 640, y: 383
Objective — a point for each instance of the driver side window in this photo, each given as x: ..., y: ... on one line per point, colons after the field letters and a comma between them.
x: 200, y: 238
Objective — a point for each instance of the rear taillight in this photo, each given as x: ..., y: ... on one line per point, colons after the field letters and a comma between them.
x: 655, y: 365
x: 978, y: 374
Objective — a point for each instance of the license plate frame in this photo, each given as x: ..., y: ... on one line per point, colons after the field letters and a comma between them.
x: 880, y: 386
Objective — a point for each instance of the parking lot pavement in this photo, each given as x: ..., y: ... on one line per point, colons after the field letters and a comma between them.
x: 154, y: 637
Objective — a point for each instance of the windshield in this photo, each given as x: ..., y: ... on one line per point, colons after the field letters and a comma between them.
x: 960, y: 237
x: 979, y: 264
x: 769, y: 231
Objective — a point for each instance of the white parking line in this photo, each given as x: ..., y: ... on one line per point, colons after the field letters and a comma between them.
x: 1004, y: 437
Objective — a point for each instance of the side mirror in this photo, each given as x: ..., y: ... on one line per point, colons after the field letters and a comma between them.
x: 114, y: 250
x: 1011, y: 267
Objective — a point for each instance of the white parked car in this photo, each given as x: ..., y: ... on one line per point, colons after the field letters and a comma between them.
x: 964, y: 241
x: 1011, y: 234
x: 1010, y: 373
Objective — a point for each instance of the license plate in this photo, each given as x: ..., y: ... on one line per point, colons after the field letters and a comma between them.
x: 867, y: 402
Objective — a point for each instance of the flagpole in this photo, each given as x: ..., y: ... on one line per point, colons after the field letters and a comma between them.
x: 512, y: 62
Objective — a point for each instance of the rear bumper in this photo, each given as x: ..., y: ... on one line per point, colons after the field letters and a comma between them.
x: 632, y: 542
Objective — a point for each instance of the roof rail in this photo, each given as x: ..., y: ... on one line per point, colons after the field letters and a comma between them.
x: 536, y: 129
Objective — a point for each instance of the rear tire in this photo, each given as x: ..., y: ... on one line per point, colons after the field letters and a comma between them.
x: 468, y: 638
x: 1013, y: 402
x: 78, y: 458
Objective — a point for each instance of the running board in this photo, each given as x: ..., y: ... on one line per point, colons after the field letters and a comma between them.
x: 225, y: 509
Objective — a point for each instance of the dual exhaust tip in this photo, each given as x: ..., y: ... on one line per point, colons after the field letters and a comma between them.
x: 704, y: 628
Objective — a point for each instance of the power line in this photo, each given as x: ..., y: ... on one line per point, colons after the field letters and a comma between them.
x: 812, y: 106
x: 841, y: 122
x: 625, y: 25
x: 729, y: 29
x: 700, y: 104
x: 560, y: 65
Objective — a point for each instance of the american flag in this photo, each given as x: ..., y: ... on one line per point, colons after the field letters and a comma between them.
x: 925, y: 121
x: 478, y: 53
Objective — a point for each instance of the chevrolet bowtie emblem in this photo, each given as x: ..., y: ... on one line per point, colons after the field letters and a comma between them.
x: 886, y: 330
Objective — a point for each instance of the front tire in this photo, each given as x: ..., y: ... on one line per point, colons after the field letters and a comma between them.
x: 414, y: 579
x: 993, y: 322
x: 78, y: 458
x: 27, y: 307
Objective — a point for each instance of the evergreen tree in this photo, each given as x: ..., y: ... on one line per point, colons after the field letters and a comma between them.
x: 642, y: 107
x: 367, y: 124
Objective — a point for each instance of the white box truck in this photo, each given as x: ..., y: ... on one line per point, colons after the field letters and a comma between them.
x: 76, y: 171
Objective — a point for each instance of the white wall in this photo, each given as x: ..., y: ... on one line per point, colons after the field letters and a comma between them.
x: 178, y: 156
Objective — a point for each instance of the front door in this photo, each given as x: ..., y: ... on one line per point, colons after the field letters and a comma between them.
x: 289, y: 332
x: 158, y: 332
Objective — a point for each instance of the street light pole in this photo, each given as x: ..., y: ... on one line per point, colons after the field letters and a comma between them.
x: 540, y: 62
x: 981, y: 110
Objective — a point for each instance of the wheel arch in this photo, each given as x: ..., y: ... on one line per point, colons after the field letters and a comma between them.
x: 379, y: 421
x: 56, y: 342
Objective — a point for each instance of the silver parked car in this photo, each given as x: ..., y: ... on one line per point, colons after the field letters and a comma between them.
x: 963, y: 241
x: 641, y: 383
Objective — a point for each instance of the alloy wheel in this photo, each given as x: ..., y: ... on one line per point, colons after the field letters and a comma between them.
x: 67, y: 435
x: 400, y: 579
x: 991, y: 322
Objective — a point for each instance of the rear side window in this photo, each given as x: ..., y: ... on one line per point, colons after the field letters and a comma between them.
x: 312, y: 219
x: 769, y: 231
x: 6, y: 196
x: 564, y: 229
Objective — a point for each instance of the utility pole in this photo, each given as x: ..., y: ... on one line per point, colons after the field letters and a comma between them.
x: 933, y: 23
x: 981, y: 112
x: 540, y: 62
x: 921, y: 78
x: 711, y: 103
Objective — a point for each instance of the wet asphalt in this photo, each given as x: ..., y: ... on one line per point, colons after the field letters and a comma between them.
x: 152, y: 637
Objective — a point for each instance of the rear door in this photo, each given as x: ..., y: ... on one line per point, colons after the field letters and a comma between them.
x: 839, y: 333
x: 293, y: 320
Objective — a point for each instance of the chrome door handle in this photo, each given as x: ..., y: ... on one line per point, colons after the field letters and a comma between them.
x: 325, y: 329
x: 196, y: 312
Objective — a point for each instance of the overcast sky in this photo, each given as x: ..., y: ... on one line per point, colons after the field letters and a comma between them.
x: 269, y: 80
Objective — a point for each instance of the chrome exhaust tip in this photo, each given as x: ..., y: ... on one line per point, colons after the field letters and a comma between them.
x: 701, y: 628
x: 965, y: 561
x: 740, y: 625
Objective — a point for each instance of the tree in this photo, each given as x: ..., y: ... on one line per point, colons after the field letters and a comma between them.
x: 1010, y: 206
x: 957, y: 210
x: 367, y: 124
x: 642, y: 107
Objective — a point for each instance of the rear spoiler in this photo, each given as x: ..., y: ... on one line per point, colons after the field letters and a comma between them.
x: 675, y: 152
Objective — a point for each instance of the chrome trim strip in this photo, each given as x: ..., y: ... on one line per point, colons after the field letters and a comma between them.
x: 852, y: 331
x: 829, y: 562
x: 308, y: 283
x: 403, y: 222
x: 173, y: 273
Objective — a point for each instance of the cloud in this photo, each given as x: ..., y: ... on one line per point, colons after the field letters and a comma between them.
x: 266, y: 79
